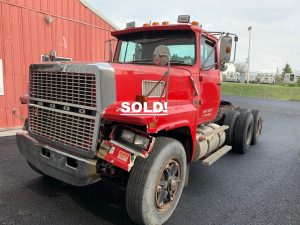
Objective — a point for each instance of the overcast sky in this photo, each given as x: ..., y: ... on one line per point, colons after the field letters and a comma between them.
x: 275, y: 33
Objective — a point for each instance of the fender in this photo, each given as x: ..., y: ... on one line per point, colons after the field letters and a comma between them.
x: 178, y: 115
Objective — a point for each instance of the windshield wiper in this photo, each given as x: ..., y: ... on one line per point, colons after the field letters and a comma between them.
x: 140, y: 61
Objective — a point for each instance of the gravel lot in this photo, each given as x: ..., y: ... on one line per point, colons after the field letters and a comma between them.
x: 260, y: 187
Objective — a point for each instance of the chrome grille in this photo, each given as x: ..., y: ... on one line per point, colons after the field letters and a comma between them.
x: 72, y: 88
x: 69, y: 129
x: 149, y: 85
x: 56, y: 101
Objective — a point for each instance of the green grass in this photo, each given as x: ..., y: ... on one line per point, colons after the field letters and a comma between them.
x: 262, y: 90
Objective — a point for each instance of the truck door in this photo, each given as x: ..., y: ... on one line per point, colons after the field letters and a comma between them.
x: 209, y: 80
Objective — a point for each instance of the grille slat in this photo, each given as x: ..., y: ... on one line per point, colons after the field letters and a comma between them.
x: 67, y: 129
x: 75, y: 89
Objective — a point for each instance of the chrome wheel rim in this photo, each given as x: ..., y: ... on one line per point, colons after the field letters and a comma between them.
x: 168, y: 185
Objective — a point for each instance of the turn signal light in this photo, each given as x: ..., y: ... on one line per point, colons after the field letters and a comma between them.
x: 146, y: 25
x: 141, y: 98
x: 195, y: 23
x: 152, y: 125
x: 155, y: 23
x: 228, y: 50
x: 165, y: 23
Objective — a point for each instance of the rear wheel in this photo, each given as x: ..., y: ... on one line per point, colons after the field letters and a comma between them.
x: 243, y: 133
x: 155, y: 184
x: 230, y: 120
x: 257, y: 127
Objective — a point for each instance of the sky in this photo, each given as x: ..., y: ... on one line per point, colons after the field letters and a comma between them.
x: 275, y: 38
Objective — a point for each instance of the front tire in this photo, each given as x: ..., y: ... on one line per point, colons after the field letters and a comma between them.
x: 155, y: 184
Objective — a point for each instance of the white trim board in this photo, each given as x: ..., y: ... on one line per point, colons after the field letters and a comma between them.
x: 93, y: 9
x: 1, y: 78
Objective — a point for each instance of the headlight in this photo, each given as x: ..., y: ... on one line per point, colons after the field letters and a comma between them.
x: 127, y: 136
x: 133, y: 138
x: 141, y: 141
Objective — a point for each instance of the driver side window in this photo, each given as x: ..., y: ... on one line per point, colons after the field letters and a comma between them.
x: 130, y: 51
x: 208, y: 53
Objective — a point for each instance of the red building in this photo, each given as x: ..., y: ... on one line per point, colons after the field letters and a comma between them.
x: 30, y: 29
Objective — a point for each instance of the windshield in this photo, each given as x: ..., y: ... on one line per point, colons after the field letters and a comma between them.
x: 139, y: 47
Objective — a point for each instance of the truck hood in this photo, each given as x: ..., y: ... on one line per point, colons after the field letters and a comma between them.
x: 117, y: 83
x: 132, y: 80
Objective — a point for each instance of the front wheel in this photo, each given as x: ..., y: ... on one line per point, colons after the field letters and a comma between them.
x: 155, y: 184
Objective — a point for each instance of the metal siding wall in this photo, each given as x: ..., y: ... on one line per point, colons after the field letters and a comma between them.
x: 25, y: 36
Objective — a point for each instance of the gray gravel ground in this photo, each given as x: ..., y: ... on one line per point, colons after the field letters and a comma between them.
x: 260, y: 187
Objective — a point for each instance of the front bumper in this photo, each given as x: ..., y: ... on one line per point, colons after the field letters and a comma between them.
x: 56, y: 163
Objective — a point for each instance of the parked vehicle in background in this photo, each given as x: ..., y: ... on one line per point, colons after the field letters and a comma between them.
x: 290, y: 78
x: 89, y: 121
x: 233, y: 77
x: 266, y: 78
x: 253, y: 78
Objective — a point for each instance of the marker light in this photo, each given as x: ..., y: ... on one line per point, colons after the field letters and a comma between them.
x: 130, y: 25
x: 141, y: 98
x: 195, y: 23
x: 152, y: 125
x: 183, y: 19
x: 155, y: 23
x: 228, y: 49
x: 165, y: 23
x: 146, y: 25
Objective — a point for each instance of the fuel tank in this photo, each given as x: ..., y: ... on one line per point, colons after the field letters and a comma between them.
x: 209, y: 138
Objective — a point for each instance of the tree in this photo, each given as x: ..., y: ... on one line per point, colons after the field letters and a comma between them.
x: 241, y: 67
x: 287, y: 69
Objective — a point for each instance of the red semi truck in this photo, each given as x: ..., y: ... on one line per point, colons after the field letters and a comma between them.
x: 140, y: 119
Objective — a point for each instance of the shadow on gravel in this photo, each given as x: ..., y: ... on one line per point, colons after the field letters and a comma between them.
x: 103, y: 199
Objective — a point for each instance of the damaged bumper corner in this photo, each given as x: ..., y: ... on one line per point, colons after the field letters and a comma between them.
x: 120, y: 155
x: 63, y: 166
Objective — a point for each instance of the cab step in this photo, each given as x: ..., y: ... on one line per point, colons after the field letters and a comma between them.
x: 216, y: 155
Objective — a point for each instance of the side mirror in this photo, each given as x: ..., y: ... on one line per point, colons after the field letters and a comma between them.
x: 161, y: 55
x: 110, y: 49
x: 225, y: 49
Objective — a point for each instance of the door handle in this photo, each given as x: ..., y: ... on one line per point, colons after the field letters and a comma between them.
x: 196, y: 92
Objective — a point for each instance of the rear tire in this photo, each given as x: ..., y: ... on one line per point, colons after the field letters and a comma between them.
x: 242, y: 110
x: 243, y: 133
x: 150, y: 197
x: 257, y: 127
x: 230, y: 120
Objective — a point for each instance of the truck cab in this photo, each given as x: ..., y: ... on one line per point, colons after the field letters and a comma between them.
x: 141, y: 118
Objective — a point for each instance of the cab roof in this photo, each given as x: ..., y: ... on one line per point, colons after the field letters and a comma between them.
x: 170, y: 27
x: 156, y: 27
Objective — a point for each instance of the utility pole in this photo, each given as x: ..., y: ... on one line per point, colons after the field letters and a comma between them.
x: 248, y: 61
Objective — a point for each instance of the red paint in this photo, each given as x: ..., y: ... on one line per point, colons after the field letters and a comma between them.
x: 76, y: 32
x: 184, y: 108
